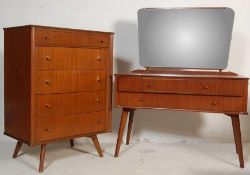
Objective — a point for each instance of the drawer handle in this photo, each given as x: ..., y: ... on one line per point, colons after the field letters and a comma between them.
x: 46, y: 37
x: 102, y: 41
x: 48, y: 82
x: 48, y: 58
x: 214, y: 103
x: 47, y: 105
x: 150, y: 85
x: 98, y: 100
x: 206, y: 86
x: 98, y: 79
x: 141, y: 99
x: 99, y: 58
x: 48, y: 129
x: 99, y: 121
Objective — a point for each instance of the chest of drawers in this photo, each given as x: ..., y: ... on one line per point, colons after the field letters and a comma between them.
x: 57, y: 84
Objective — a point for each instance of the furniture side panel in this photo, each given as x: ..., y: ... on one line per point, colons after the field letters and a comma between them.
x: 17, y: 83
x: 245, y: 96
x: 108, y: 126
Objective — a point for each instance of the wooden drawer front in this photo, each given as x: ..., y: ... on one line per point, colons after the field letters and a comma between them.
x: 68, y: 126
x: 73, y: 103
x: 92, y: 59
x: 70, y: 81
x: 45, y: 37
x: 181, y: 86
x: 59, y: 58
x: 173, y: 101
x: 54, y: 38
x: 93, y: 40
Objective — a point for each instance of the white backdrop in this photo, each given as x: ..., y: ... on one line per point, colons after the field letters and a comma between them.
x: 120, y: 16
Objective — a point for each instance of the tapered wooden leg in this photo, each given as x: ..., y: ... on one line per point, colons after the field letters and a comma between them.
x: 71, y: 142
x: 42, y: 156
x: 17, y: 149
x: 233, y: 125
x: 237, y: 138
x: 97, y: 145
x: 121, y: 130
x: 130, y: 123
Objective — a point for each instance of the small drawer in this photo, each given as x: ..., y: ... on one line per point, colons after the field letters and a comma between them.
x: 59, y: 58
x: 70, y: 81
x: 55, y: 58
x: 93, y: 40
x: 92, y: 58
x: 45, y: 37
x: 180, y: 102
x: 93, y: 80
x: 199, y: 86
x: 57, y: 81
x: 72, y: 103
x: 69, y: 126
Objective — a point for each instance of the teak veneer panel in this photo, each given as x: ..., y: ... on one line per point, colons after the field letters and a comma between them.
x: 70, y: 81
x: 182, y: 85
x: 51, y: 37
x: 70, y: 103
x: 68, y: 126
x: 181, y: 102
x: 183, y: 93
x: 57, y: 58
x: 17, y: 83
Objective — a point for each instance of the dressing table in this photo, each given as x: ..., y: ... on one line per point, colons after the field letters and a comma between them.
x: 198, y: 91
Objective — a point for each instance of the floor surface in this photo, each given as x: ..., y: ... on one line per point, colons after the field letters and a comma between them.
x: 135, y: 159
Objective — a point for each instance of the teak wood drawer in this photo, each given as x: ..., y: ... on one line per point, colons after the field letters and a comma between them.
x: 70, y: 81
x: 181, y: 102
x: 70, y: 103
x: 69, y: 125
x: 211, y: 93
x: 55, y: 37
x: 57, y: 83
x: 58, y: 58
x: 206, y: 86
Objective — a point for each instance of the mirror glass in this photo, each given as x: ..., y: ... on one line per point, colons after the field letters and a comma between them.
x: 185, y: 38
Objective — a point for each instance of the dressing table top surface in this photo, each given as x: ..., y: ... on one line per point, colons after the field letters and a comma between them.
x: 182, y: 73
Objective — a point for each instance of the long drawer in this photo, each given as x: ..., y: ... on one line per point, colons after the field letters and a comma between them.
x: 60, y: 58
x: 68, y: 126
x: 70, y: 103
x: 70, y: 81
x: 180, y: 102
x: 53, y: 37
x: 204, y: 86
